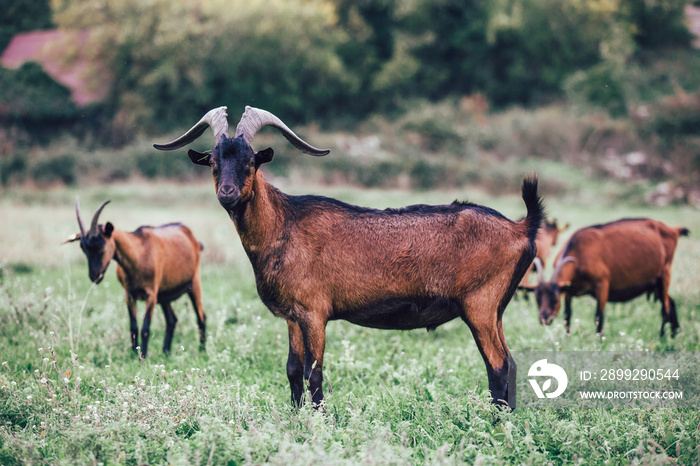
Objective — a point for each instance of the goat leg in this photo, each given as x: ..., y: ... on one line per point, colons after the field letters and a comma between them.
x: 134, y: 326
x: 567, y: 313
x: 145, y: 328
x: 484, y: 326
x: 295, y: 363
x: 195, y: 294
x: 313, y: 333
x: 601, y: 296
x: 673, y: 317
x: 170, y: 322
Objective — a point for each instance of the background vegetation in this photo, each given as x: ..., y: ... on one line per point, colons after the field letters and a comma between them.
x: 71, y: 392
x: 469, y: 79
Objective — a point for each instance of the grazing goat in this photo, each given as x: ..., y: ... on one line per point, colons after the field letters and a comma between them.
x: 547, y: 237
x: 615, y: 262
x: 318, y: 259
x: 154, y: 264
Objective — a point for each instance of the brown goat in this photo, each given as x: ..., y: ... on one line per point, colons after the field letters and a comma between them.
x: 154, y: 264
x: 615, y: 262
x: 547, y: 237
x: 317, y: 259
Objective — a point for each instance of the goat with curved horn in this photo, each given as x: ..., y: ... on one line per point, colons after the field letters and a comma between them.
x: 613, y: 262
x: 318, y: 259
x: 547, y: 237
x: 154, y: 264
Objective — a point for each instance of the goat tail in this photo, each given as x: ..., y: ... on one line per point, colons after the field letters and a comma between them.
x: 534, y: 205
x: 682, y: 231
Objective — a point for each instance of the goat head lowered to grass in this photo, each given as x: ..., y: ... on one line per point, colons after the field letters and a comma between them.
x: 318, y: 259
x: 616, y: 262
x: 154, y: 264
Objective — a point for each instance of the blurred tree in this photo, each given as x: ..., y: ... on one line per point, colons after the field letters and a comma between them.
x: 369, y: 27
x: 173, y: 60
x: 21, y: 16
x: 522, y: 51
x: 657, y: 23
x: 32, y: 101
x: 452, y: 48
x: 280, y: 55
x: 330, y: 59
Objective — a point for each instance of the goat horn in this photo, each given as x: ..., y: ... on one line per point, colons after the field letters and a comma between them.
x: 254, y: 119
x: 93, y: 225
x: 540, y: 269
x: 555, y: 274
x: 77, y: 214
x: 215, y: 118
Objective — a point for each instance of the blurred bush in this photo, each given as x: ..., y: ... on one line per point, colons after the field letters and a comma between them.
x: 50, y: 170
x: 31, y: 98
x: 342, y: 60
x: 673, y: 125
x: 444, y: 83
x: 173, y: 61
x: 27, y: 15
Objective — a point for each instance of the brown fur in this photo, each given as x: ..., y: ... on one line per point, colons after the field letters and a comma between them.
x: 380, y: 270
x: 318, y: 259
x: 155, y: 265
x: 617, y: 261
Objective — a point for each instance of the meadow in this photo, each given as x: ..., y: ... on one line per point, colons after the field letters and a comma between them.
x: 72, y: 391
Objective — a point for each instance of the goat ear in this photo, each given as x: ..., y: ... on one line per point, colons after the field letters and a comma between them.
x: 199, y: 158
x: 72, y: 239
x: 263, y: 156
x: 109, y: 228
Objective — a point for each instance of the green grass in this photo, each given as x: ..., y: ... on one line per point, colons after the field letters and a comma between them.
x: 71, y: 391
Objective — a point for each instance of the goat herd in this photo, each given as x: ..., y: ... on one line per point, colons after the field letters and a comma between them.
x: 318, y: 259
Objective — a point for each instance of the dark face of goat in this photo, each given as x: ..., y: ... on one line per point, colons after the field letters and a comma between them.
x: 99, y: 250
x: 233, y: 166
x: 548, y: 296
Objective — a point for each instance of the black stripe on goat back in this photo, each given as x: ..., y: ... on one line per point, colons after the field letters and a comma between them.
x: 307, y: 203
x: 142, y: 229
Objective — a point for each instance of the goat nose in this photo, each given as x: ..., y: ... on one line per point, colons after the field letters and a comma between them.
x: 228, y: 196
